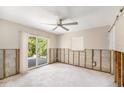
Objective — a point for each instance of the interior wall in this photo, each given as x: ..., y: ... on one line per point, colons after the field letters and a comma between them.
x: 119, y: 33
x: 112, y: 39
x: 23, y: 52
x: 10, y: 35
x: 116, y: 35
x: 95, y: 38
x: 118, y: 39
x: 13, y: 36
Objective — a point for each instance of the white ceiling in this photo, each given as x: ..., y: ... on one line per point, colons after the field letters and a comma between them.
x: 34, y: 16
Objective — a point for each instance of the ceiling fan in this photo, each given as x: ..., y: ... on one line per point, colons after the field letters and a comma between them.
x: 61, y: 24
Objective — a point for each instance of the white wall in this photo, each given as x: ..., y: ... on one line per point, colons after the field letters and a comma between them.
x: 10, y: 35
x: 112, y: 39
x: 23, y: 52
x: 119, y: 34
x: 14, y: 36
x: 96, y: 38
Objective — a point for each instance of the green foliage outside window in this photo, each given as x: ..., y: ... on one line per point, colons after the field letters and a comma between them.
x: 31, y: 46
x: 41, y: 47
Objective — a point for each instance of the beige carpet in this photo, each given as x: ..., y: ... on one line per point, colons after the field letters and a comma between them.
x: 60, y: 75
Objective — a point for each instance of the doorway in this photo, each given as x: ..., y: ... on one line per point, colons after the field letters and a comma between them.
x: 37, y: 51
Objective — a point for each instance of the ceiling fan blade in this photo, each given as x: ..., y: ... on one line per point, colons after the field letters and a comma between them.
x: 55, y: 28
x: 49, y: 24
x: 65, y: 28
x: 73, y: 23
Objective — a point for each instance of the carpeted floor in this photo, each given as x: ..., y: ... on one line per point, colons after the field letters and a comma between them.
x: 59, y: 75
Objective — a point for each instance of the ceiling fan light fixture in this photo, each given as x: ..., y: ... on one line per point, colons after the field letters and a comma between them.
x: 61, y: 24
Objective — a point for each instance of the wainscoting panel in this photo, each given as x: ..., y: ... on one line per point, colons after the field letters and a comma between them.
x: 119, y: 68
x: 76, y: 58
x: 62, y: 55
x: 116, y: 67
x: 82, y: 59
x: 66, y: 55
x: 1, y: 64
x: 71, y: 57
x: 112, y: 62
x: 59, y: 55
x: 123, y: 69
x: 55, y: 55
x: 96, y: 60
x: 89, y: 58
x: 106, y: 61
x: 52, y: 56
x: 10, y: 62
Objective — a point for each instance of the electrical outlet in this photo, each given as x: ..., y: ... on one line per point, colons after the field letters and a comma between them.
x: 94, y: 63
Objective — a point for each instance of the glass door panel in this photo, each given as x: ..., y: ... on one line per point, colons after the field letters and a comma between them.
x: 41, y: 51
x: 31, y: 52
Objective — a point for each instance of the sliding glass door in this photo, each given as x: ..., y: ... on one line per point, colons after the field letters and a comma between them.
x: 41, y: 51
x: 37, y: 51
x: 31, y: 52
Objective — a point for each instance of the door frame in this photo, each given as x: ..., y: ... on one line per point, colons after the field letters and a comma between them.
x: 37, y: 36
